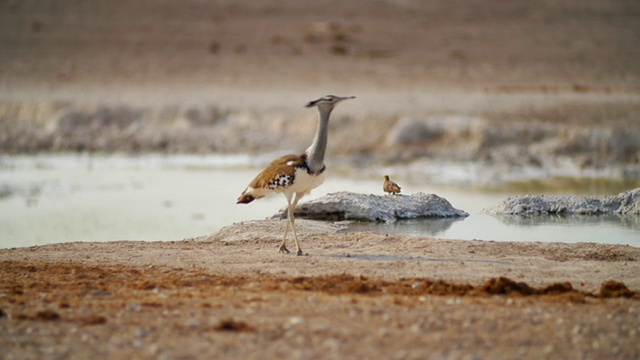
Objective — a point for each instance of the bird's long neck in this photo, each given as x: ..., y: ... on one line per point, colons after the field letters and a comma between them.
x: 315, y: 152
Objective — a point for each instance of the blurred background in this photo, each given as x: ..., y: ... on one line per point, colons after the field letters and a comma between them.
x: 454, y: 96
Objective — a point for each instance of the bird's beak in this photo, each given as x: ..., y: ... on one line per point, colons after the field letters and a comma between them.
x: 313, y: 103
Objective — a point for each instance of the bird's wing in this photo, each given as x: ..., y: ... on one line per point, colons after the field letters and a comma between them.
x: 385, y: 186
x: 390, y: 186
x: 280, y: 173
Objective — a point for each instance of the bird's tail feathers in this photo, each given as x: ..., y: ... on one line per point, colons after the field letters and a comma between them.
x: 245, y: 199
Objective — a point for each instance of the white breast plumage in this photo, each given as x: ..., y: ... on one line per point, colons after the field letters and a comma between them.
x: 306, y: 182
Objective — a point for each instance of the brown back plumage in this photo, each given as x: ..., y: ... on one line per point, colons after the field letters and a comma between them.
x: 274, y: 175
x: 278, y: 175
x: 389, y: 186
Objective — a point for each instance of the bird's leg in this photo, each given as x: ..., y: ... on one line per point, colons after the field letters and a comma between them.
x: 286, y: 230
x: 292, y: 220
x: 283, y: 248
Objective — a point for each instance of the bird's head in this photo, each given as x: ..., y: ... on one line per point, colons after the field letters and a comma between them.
x: 328, y: 102
x: 386, y: 178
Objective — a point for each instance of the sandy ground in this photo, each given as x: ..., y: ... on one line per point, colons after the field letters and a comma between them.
x: 402, y: 55
x: 575, y: 46
x: 355, y: 295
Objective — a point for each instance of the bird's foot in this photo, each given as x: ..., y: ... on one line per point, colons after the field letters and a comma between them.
x: 283, y: 249
x: 300, y: 253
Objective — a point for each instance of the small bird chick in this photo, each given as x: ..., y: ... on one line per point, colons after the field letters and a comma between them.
x: 389, y: 186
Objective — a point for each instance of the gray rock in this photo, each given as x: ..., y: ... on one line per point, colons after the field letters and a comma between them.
x: 346, y: 205
x: 627, y: 202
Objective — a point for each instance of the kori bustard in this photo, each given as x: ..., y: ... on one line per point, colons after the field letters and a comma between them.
x: 296, y: 175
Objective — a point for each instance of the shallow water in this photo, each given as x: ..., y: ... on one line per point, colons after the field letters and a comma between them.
x: 68, y: 198
x: 605, y: 229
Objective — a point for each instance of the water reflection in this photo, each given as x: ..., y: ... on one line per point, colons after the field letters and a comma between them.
x: 572, y: 220
x: 609, y: 229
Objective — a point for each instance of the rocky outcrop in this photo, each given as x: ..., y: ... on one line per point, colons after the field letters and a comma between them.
x: 627, y: 202
x: 346, y: 205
